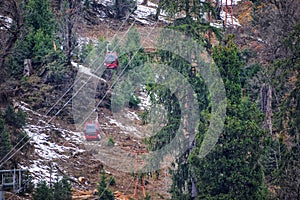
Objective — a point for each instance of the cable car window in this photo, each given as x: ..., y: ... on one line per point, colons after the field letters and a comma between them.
x: 110, y: 58
x: 91, y: 128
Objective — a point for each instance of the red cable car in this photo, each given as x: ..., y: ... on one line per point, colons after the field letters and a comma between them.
x: 111, y: 60
x: 91, y: 131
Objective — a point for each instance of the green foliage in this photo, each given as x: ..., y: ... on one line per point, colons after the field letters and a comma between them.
x: 171, y: 104
x: 10, y: 115
x: 232, y: 169
x: 132, y: 54
x: 29, y: 185
x: 43, y: 192
x: 40, y: 23
x: 196, y: 30
x: 133, y: 41
x: 229, y: 61
x: 134, y: 101
x: 62, y: 190
x: 22, y: 137
x: 38, y: 37
x: 191, y: 8
x: 193, y: 24
x: 57, y: 73
x: 112, y: 181
x: 103, y: 191
x: 39, y: 16
x: 87, y: 48
x: 17, y: 120
x: 5, y: 145
x: 148, y: 197
x: 247, y: 73
x: 111, y: 141
x: 285, y: 173
x: 144, y: 116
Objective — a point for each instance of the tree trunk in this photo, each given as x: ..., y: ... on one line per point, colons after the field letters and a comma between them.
x: 187, y: 8
x: 158, y: 10
x: 266, y: 106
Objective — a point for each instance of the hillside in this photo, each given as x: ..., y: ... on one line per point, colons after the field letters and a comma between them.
x: 202, y: 104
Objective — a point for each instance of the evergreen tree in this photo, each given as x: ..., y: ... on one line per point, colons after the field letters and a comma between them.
x: 62, y: 190
x: 17, y: 120
x: 43, y: 192
x: 287, y: 121
x: 41, y: 25
x: 37, y: 38
x: 103, y: 191
x: 132, y: 54
x: 161, y: 95
x: 194, y: 23
x: 5, y: 145
x: 232, y: 169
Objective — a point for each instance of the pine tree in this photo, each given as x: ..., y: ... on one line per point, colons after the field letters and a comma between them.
x: 10, y: 115
x: 232, y: 169
x: 194, y: 22
x: 287, y: 121
x: 62, y: 190
x: 41, y: 25
x: 103, y: 191
x: 15, y: 119
x: 43, y: 192
x: 132, y: 53
x: 36, y: 41
x: 5, y: 145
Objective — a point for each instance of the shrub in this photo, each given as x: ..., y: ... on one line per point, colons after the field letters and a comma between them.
x: 110, y: 142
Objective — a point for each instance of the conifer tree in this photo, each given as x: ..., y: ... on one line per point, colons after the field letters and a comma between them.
x: 194, y: 21
x: 5, y: 145
x: 103, y: 191
x: 62, y: 190
x: 287, y: 119
x: 132, y: 53
x: 15, y: 119
x: 41, y: 25
x: 232, y: 169
x: 37, y: 38
x: 43, y: 192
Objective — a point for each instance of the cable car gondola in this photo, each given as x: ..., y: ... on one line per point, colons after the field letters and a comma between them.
x: 111, y: 59
x: 91, y: 131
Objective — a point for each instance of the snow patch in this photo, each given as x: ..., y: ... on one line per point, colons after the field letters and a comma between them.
x: 229, y: 2
x: 143, y: 12
x: 47, y: 151
x: 6, y: 21
x: 145, y: 101
x: 86, y: 70
x: 230, y: 19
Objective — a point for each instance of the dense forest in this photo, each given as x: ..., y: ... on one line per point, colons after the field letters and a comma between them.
x: 256, y: 154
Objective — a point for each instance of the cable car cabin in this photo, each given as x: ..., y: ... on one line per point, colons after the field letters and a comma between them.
x: 91, y: 132
x: 111, y: 60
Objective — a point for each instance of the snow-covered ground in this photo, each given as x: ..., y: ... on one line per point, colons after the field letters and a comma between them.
x: 6, y: 21
x: 143, y: 12
x: 230, y: 2
x: 230, y: 19
x: 86, y: 70
x: 47, y: 151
